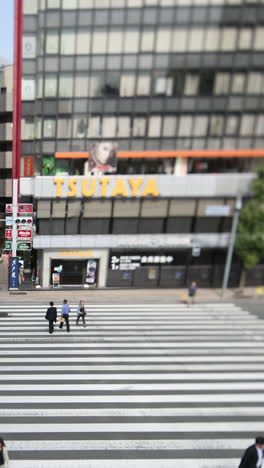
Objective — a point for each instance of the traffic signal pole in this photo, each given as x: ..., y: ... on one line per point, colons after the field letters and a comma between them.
x: 16, y: 156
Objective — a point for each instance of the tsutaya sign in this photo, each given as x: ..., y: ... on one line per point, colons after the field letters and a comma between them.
x: 71, y: 187
x: 136, y: 186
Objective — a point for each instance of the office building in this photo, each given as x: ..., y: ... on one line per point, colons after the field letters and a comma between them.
x: 177, y: 86
x: 6, y: 98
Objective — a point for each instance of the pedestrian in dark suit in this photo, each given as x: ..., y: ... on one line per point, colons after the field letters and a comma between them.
x: 51, y: 316
x: 253, y: 456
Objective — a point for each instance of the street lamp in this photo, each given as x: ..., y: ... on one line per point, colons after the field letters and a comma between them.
x: 231, y: 245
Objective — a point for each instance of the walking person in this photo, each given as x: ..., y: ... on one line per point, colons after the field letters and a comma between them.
x: 51, y: 316
x: 253, y: 456
x: 65, y: 311
x: 81, y: 313
x: 192, y: 293
x: 4, y: 459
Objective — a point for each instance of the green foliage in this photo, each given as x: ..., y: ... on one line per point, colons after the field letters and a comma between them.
x: 250, y: 238
x: 258, y: 184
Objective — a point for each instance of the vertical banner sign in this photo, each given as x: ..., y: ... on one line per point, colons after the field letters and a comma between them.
x: 28, y: 166
x: 13, y: 273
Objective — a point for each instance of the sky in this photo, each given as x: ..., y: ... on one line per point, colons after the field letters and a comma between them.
x: 6, y: 29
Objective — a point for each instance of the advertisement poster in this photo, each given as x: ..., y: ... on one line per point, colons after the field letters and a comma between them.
x: 91, y: 272
x: 103, y: 157
x: 48, y: 166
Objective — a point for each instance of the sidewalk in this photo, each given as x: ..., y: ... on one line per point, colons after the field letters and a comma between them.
x: 129, y: 296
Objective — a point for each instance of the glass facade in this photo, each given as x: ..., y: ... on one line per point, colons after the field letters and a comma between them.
x: 148, y: 74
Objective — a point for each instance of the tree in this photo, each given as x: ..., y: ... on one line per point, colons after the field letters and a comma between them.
x: 250, y: 238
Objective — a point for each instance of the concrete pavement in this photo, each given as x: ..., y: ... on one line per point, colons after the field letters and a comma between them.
x: 131, y: 296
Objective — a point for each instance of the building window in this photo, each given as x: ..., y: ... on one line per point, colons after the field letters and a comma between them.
x: 127, y: 85
x: 163, y: 41
x: 259, y: 39
x: 131, y: 42
x: 185, y: 126
x: 180, y: 38
x: 69, y: 4
x: 139, y: 127
x: 81, y: 85
x: 169, y: 126
x: 228, y: 39
x: 99, y: 45
x: 206, y: 86
x: 51, y: 86
x: 63, y: 128
x: 260, y: 126
x: 216, y: 125
x: 49, y: 128
x: 29, y: 7
x: 247, y: 125
x: 245, y: 39
x: 66, y: 86
x: 28, y: 90
x: 200, y: 125
x: 143, y: 85
x: 154, y: 129
x: 212, y: 40
x: 96, y: 85
x: 255, y: 83
x: 79, y: 127
x: 232, y: 122
x: 109, y: 127
x: 94, y: 127
x: 115, y: 42
x: 83, y: 43
x: 196, y: 40
x: 67, y: 46
x: 238, y: 83
x: 52, y: 43
x: 178, y: 78
x: 27, y: 129
x: 147, y: 41
x: 29, y: 47
x: 191, y: 84
x: 123, y: 127
x: 53, y: 4
x: 163, y: 86
x: 111, y: 85
x: 221, y: 85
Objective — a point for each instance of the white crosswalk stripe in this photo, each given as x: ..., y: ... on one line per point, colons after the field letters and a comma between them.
x: 142, y: 386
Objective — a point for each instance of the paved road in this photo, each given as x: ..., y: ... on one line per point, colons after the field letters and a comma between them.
x: 141, y: 386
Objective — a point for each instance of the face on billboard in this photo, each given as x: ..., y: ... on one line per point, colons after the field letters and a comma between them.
x: 103, y: 154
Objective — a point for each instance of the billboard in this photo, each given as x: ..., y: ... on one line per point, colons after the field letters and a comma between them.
x: 102, y: 157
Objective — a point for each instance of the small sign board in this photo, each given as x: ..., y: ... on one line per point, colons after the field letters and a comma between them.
x: 55, y: 280
x: 28, y: 208
x: 217, y: 210
x: 9, y: 221
x: 21, y: 208
x: 24, y: 233
x: 24, y: 246
x: 9, y: 208
x: 8, y: 245
x: 8, y: 233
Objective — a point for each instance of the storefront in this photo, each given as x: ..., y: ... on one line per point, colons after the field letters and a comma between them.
x: 139, y: 231
x: 80, y: 267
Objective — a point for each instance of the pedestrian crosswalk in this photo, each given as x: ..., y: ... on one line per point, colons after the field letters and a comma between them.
x: 160, y: 386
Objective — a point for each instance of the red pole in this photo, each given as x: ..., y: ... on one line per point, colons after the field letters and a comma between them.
x: 18, y: 32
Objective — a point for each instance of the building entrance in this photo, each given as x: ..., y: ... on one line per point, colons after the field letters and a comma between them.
x: 76, y: 272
